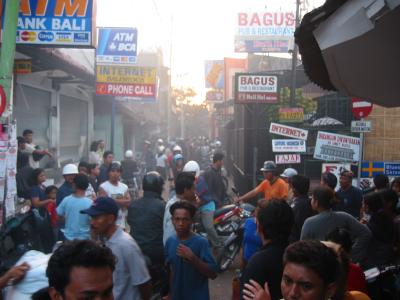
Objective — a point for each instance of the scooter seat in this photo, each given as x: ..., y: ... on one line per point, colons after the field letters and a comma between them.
x: 223, y: 210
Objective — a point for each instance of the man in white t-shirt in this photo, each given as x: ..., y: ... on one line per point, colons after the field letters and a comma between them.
x: 117, y: 190
x: 35, y: 154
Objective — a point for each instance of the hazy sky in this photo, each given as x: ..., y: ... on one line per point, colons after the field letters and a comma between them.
x: 200, y: 30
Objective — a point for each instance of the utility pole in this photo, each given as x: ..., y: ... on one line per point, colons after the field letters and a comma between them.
x: 7, y: 53
x: 169, y: 102
x: 294, y: 59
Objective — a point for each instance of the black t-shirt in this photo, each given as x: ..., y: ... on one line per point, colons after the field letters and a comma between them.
x: 267, y: 266
x: 350, y: 201
x: 302, y: 210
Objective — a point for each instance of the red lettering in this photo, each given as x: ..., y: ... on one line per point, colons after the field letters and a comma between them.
x: 271, y: 80
x: 267, y: 19
x: 243, y: 80
x: 278, y: 19
x: 255, y: 19
x: 290, y: 19
x: 242, y: 19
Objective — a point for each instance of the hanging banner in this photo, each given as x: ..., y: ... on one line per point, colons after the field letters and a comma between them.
x: 291, y: 114
x: 117, y: 46
x: 255, y: 88
x: 287, y: 159
x: 22, y: 66
x: 270, y: 31
x: 336, y: 147
x: 288, y: 146
x: 214, y: 74
x: 288, y: 131
x: 69, y: 23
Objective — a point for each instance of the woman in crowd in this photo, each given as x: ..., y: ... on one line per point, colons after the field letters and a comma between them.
x: 40, y: 202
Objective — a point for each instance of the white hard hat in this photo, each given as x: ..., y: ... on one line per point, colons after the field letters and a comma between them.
x: 70, y: 169
x: 289, y: 173
x: 192, y: 166
x: 128, y: 154
x: 218, y: 144
x: 160, y: 141
x: 177, y: 148
x: 161, y: 149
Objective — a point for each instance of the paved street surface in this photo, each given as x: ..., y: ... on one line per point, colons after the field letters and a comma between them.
x: 221, y: 287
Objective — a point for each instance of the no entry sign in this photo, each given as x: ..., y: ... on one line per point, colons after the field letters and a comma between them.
x: 361, y: 108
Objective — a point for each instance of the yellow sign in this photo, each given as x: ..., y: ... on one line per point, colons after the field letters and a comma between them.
x: 126, y: 74
x: 22, y: 66
x: 291, y: 115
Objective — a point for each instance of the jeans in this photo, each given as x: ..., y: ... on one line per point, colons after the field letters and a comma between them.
x: 207, y: 220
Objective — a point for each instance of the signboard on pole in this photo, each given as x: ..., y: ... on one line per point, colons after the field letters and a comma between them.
x: 370, y: 169
x: 126, y: 81
x: 288, y: 131
x: 291, y: 114
x: 270, y: 31
x: 287, y: 159
x: 255, y: 88
x: 288, y: 146
x: 337, y: 147
x: 361, y: 126
x: 117, y: 46
x: 58, y: 22
x: 361, y: 108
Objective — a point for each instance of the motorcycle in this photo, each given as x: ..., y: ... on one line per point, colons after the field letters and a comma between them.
x: 229, y: 224
x: 383, y: 282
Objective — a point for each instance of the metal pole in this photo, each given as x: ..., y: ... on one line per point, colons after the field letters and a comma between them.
x: 169, y: 102
x: 361, y: 157
x: 112, y: 123
x: 7, y: 53
x: 294, y: 60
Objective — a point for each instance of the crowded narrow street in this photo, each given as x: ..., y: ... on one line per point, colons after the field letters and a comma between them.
x: 199, y: 150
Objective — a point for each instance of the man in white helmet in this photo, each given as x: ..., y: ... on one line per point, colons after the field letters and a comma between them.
x: 287, y: 175
x: 272, y: 187
x: 129, y: 167
x: 67, y: 188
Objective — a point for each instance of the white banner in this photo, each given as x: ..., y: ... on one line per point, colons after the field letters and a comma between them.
x: 287, y: 159
x: 288, y: 131
x: 288, y: 146
x: 336, y: 147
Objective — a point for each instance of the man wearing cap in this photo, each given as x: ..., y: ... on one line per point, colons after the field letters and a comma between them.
x: 272, y: 186
x: 67, y: 188
x: 131, y: 278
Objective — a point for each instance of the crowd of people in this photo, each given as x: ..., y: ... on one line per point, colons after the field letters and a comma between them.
x: 300, y: 244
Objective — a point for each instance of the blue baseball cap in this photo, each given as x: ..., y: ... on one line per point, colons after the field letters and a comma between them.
x: 102, y: 206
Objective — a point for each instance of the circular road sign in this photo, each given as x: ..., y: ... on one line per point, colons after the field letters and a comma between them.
x: 2, y: 100
x: 361, y: 108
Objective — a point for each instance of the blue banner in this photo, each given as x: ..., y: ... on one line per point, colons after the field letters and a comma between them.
x: 55, y: 22
x: 117, y: 46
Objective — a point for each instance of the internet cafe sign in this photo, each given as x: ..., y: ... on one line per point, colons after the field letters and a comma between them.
x: 288, y: 131
x: 255, y: 88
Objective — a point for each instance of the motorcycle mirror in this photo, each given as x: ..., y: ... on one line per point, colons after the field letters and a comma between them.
x: 235, y: 191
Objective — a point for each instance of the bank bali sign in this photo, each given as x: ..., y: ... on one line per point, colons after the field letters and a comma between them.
x: 117, y: 46
x: 68, y: 23
x: 255, y: 88
x: 126, y: 81
x: 336, y: 147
